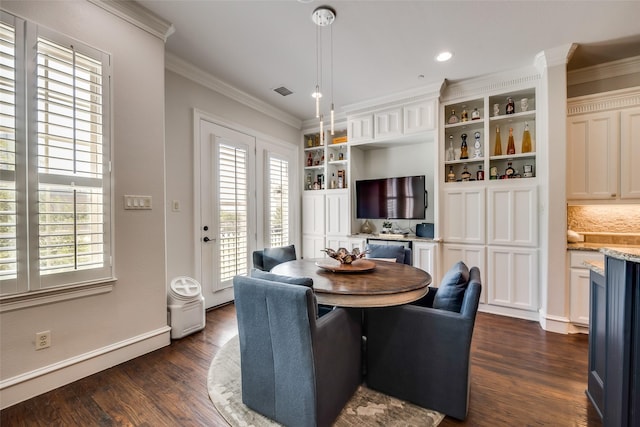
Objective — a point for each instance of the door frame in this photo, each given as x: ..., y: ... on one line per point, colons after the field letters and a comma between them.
x: 263, y: 143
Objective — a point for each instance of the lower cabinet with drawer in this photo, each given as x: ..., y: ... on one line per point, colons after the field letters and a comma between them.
x: 579, y: 284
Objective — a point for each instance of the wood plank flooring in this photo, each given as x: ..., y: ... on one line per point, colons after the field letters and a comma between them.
x: 520, y: 375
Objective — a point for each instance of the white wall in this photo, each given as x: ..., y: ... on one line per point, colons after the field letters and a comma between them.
x: 92, y: 333
x: 183, y: 95
x: 403, y: 160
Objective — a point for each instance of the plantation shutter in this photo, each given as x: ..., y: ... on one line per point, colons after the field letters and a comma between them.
x: 278, y: 191
x: 8, y: 179
x: 233, y: 208
x: 54, y: 160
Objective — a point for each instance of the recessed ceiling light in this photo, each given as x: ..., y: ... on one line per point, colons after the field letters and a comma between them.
x: 444, y: 56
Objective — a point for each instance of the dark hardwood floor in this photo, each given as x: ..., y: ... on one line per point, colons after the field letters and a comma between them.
x: 520, y: 375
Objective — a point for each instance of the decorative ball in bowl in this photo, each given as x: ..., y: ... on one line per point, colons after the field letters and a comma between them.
x: 344, y: 256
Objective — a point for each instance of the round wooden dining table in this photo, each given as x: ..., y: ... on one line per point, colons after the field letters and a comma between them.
x: 380, y: 284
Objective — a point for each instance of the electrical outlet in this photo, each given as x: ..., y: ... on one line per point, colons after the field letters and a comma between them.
x: 43, y: 340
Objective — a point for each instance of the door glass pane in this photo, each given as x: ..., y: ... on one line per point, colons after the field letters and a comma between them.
x: 278, y: 191
x: 233, y: 203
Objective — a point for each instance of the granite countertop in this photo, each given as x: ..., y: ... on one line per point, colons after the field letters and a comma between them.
x: 588, y: 246
x: 627, y: 253
x: 597, y: 266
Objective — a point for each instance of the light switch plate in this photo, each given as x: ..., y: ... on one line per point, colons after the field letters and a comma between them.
x: 137, y: 202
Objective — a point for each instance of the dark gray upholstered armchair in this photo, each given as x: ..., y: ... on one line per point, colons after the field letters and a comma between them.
x: 401, y: 254
x: 268, y: 258
x: 421, y: 354
x: 296, y: 369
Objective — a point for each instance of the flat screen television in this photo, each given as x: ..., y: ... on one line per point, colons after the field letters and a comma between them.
x: 391, y: 198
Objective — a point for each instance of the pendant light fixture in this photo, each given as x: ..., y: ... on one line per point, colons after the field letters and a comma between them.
x: 323, y: 16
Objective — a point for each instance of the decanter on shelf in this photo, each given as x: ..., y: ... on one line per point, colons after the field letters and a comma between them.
x: 464, y: 151
x: 451, y: 155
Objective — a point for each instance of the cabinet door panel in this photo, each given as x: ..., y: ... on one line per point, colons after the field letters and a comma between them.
x: 388, y: 123
x: 630, y: 153
x: 513, y: 217
x: 513, y: 277
x: 337, y: 214
x: 313, y: 213
x: 312, y: 245
x: 592, y: 156
x: 419, y: 117
x: 464, y: 211
x: 337, y: 242
x: 425, y: 257
x: 579, y: 299
x: 360, y: 129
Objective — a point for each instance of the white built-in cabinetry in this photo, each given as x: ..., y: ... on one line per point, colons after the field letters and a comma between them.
x: 313, y: 223
x: 602, y: 135
x: 488, y: 219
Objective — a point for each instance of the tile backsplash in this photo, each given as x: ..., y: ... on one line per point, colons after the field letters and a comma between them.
x: 606, y: 223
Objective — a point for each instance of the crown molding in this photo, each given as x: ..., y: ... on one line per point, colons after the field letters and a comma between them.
x: 492, y: 83
x: 139, y: 16
x: 614, y: 100
x: 412, y: 95
x: 607, y: 70
x: 191, y: 72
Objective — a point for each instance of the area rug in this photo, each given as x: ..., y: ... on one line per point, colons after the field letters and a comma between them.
x: 366, y: 408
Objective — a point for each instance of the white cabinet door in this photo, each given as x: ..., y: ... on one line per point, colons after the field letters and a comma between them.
x: 360, y: 128
x: 513, y: 216
x: 388, y: 123
x: 464, y: 219
x: 472, y: 256
x: 629, y: 154
x: 338, y: 214
x: 513, y: 277
x: 419, y: 117
x: 313, y: 213
x: 425, y: 257
x: 355, y: 242
x: 592, y: 156
x: 579, y: 300
x: 312, y: 246
x: 337, y: 242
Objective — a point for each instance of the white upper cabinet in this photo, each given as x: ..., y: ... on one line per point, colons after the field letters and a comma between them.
x: 603, y: 131
x: 630, y: 153
x: 592, y: 156
x: 388, y: 123
x: 419, y: 117
x: 512, y: 216
x: 360, y: 128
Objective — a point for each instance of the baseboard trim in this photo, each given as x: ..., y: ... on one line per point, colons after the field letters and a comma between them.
x: 30, y: 384
x: 557, y: 324
x: 510, y: 312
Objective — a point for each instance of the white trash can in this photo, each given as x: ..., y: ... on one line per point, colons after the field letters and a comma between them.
x: 185, y: 306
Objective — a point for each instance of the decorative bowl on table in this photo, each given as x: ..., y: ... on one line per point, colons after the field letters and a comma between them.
x: 347, y: 262
x: 344, y: 256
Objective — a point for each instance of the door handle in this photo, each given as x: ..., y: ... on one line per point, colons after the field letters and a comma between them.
x: 207, y: 239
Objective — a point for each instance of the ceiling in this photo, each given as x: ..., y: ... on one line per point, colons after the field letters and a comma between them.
x: 381, y: 48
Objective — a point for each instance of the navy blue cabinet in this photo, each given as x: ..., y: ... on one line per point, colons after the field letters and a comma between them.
x: 614, y: 347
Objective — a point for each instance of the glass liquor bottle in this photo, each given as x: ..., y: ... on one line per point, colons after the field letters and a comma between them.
x: 511, y: 106
x: 453, y: 118
x: 511, y: 146
x: 475, y: 114
x: 464, y: 116
x: 451, y: 155
x: 466, y: 175
x: 480, y: 174
x: 464, y: 151
x: 510, y: 171
x: 309, y: 160
x: 497, y: 151
x: 526, y: 139
x: 451, y: 176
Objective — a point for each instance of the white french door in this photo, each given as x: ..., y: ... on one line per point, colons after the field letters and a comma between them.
x: 227, y: 224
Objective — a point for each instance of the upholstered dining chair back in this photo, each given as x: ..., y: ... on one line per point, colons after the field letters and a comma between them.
x: 399, y: 253
x: 422, y: 354
x: 268, y: 258
x: 296, y: 369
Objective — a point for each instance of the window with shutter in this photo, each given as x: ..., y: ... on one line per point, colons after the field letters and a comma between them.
x: 278, y: 191
x: 57, y: 231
